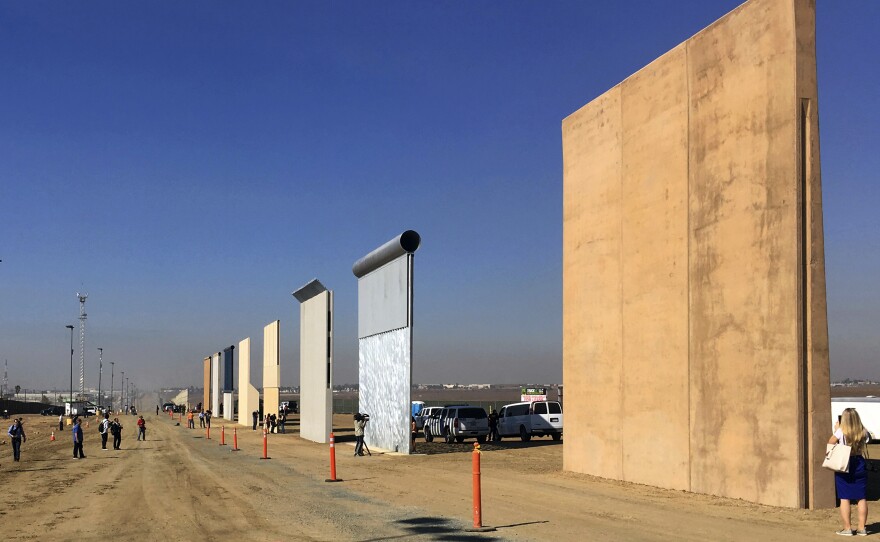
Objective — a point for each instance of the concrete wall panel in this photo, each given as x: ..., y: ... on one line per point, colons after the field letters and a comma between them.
x: 654, y: 272
x: 592, y: 349
x: 271, y: 368
x: 316, y: 368
x: 206, y: 382
x: 695, y: 336
x: 248, y: 396
x: 216, y: 378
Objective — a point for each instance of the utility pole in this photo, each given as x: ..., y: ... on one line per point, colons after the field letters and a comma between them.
x: 82, y: 343
x: 122, y: 391
x: 5, y: 380
x: 100, y: 372
x: 112, y: 367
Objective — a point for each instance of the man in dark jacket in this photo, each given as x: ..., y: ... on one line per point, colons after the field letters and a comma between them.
x: 17, y: 436
x: 116, y: 430
x: 77, y: 440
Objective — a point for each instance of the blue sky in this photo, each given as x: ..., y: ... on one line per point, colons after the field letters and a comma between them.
x: 189, y: 164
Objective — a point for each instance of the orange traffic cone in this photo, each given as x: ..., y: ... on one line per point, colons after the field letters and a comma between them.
x: 52, y: 438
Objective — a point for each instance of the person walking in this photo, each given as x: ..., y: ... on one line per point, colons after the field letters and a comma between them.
x: 77, y: 439
x: 157, y: 410
x: 189, y: 420
x: 142, y: 428
x: 282, y: 419
x: 256, y: 415
x: 273, y: 424
x: 17, y: 436
x: 202, y: 419
x: 853, y: 484
x: 493, y: 425
x: 60, y: 423
x: 116, y: 431
x: 105, y: 431
x: 208, y: 419
x: 359, y: 424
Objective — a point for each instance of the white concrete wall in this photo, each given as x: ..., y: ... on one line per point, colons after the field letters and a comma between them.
x: 248, y: 396
x: 216, y: 393
x: 271, y: 368
x: 228, y: 406
x: 315, y: 367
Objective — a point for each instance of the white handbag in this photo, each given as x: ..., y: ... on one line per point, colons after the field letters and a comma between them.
x: 837, y: 457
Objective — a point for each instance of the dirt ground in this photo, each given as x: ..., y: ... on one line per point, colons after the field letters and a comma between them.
x: 178, y: 485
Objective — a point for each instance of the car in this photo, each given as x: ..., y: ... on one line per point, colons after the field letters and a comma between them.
x: 424, y: 415
x: 166, y: 407
x: 528, y: 419
x: 458, y: 422
x: 52, y: 411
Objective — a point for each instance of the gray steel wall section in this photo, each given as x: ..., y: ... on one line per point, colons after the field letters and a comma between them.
x: 384, y: 298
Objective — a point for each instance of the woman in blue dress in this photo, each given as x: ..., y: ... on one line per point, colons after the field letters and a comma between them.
x: 852, y: 486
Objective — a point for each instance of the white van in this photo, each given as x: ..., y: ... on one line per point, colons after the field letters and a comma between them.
x: 540, y: 418
x: 867, y: 407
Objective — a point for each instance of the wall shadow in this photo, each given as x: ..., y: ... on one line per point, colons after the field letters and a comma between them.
x: 433, y: 528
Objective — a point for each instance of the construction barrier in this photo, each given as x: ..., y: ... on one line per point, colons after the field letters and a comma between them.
x: 222, y: 435
x: 478, y: 505
x: 265, y: 445
x: 333, y: 477
x: 234, y: 439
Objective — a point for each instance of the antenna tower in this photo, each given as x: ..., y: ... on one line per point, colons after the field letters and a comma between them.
x: 82, y: 344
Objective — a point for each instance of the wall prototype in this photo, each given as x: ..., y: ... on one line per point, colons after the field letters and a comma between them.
x: 695, y: 349
x: 315, y: 361
x: 248, y: 396
x: 271, y: 368
x: 206, y: 382
x: 385, y: 303
x: 216, y: 379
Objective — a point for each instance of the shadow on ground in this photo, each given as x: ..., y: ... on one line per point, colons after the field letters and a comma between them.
x: 434, y: 528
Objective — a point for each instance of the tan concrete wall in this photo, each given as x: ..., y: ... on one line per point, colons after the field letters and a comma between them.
x: 695, y: 337
x: 271, y: 368
x: 206, y: 399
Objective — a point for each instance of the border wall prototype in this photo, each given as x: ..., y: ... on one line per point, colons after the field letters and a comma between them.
x: 385, y: 302
x: 695, y: 343
x: 315, y: 361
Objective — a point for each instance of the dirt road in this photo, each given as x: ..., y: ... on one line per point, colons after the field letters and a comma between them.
x: 178, y: 485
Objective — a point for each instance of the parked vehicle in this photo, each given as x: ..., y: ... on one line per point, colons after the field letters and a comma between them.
x: 424, y: 415
x: 458, y: 422
x: 539, y: 418
x: 868, y: 409
x: 290, y: 405
x: 79, y: 408
x: 52, y: 411
x: 166, y: 407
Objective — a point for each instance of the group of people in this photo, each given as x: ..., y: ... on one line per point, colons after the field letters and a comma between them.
x: 204, y: 418
x: 272, y: 423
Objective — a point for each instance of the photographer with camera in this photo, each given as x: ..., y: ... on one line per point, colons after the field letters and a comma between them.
x: 360, y: 421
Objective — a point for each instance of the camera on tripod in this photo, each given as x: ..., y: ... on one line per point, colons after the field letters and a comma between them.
x: 359, y: 416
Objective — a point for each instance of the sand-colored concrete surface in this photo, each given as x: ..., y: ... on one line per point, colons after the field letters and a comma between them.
x: 695, y: 351
x: 180, y: 486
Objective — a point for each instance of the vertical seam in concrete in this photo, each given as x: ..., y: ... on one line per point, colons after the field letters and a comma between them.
x: 687, y: 62
x: 620, y: 383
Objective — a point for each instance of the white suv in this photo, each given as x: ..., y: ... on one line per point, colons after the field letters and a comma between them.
x: 458, y: 422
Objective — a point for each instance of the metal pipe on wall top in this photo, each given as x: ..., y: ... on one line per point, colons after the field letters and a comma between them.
x: 406, y: 242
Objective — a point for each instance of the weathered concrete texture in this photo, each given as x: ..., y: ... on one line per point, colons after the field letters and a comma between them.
x: 228, y: 406
x: 248, y: 396
x: 271, y: 368
x: 695, y: 339
x: 316, y: 367
x: 206, y: 399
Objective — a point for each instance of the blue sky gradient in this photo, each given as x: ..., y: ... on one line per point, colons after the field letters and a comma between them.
x: 190, y: 164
